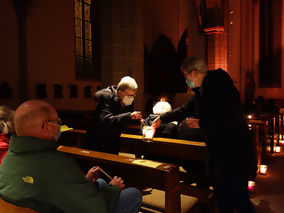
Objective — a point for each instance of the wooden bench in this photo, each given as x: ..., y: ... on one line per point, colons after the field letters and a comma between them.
x: 176, y: 148
x: 6, y: 207
x: 165, y: 177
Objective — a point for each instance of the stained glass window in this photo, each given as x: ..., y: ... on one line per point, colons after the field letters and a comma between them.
x: 85, y: 38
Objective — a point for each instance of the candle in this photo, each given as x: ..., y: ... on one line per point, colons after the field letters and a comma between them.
x: 263, y: 169
x: 277, y: 149
x: 251, y: 185
x: 148, y: 133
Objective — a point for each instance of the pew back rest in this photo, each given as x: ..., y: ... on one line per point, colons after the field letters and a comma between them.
x: 163, y: 176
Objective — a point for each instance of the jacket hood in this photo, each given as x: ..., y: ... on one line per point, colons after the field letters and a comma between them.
x: 22, y: 144
x: 106, y: 93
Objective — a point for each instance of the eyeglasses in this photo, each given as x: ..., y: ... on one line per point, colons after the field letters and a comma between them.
x: 128, y: 95
x: 58, y: 122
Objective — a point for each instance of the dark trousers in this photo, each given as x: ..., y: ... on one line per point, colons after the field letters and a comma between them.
x: 231, y: 193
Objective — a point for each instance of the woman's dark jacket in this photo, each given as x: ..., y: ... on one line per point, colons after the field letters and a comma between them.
x: 229, y: 144
x: 109, y: 118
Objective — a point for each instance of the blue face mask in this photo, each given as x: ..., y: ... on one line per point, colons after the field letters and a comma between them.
x: 190, y: 83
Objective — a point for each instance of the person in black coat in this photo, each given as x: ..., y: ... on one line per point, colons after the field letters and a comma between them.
x: 231, y: 154
x: 114, y: 110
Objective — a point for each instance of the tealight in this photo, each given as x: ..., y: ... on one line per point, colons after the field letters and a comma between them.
x: 277, y: 149
x: 251, y: 185
x: 263, y: 169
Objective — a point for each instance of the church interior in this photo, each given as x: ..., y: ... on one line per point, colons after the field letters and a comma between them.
x: 62, y: 52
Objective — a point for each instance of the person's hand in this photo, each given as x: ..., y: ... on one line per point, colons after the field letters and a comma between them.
x: 156, y: 123
x: 93, y: 174
x: 192, y: 122
x: 136, y: 115
x: 118, y: 182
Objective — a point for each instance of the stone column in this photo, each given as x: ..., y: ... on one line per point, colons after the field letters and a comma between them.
x: 216, y: 47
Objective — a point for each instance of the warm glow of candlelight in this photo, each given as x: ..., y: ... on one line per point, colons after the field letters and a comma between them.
x: 249, y: 116
x: 148, y: 133
x: 251, y: 185
x: 263, y: 169
x: 277, y: 149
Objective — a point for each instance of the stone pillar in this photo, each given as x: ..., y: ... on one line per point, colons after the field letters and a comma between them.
x: 22, y: 8
x: 216, y: 48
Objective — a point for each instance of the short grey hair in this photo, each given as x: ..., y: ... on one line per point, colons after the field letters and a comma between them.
x: 127, y: 83
x: 6, y: 120
x: 193, y: 63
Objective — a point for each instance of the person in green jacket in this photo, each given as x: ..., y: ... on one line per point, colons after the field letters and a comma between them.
x: 34, y: 175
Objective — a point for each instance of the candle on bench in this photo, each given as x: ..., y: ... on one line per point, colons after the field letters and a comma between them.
x: 148, y: 133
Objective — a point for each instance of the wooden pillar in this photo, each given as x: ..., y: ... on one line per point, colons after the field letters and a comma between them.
x: 22, y: 8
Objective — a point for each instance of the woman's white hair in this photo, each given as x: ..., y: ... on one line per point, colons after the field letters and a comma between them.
x: 161, y: 107
x: 127, y: 83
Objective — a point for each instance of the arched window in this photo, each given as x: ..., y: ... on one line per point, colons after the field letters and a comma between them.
x: 86, y: 39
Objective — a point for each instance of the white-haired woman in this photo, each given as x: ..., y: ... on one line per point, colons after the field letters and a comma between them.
x: 167, y: 130
x: 6, y: 129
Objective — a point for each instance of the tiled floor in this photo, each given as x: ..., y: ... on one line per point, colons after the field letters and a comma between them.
x: 268, y: 196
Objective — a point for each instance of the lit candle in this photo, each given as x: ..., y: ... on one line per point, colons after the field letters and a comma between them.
x: 277, y: 149
x: 249, y: 116
x: 251, y: 185
x: 263, y: 169
x: 148, y: 133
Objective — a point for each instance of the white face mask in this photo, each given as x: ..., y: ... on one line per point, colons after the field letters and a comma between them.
x: 127, y: 100
x: 58, y: 135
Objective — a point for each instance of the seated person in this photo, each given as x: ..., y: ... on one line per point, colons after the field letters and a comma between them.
x: 6, y: 129
x: 167, y: 130
x: 34, y: 174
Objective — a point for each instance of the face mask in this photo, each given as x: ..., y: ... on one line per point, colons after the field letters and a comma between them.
x: 58, y: 135
x: 190, y: 83
x: 127, y: 100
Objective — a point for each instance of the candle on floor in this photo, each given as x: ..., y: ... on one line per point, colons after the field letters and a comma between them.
x: 277, y: 149
x: 263, y: 169
x: 251, y: 185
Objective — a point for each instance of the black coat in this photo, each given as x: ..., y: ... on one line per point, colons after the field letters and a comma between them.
x: 228, y: 141
x: 165, y: 130
x: 109, y: 118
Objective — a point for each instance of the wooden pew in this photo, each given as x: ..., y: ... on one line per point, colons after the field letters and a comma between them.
x: 73, y: 137
x: 176, y: 148
x: 165, y: 177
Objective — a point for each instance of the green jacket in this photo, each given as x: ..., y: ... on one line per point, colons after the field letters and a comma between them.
x: 33, y: 174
